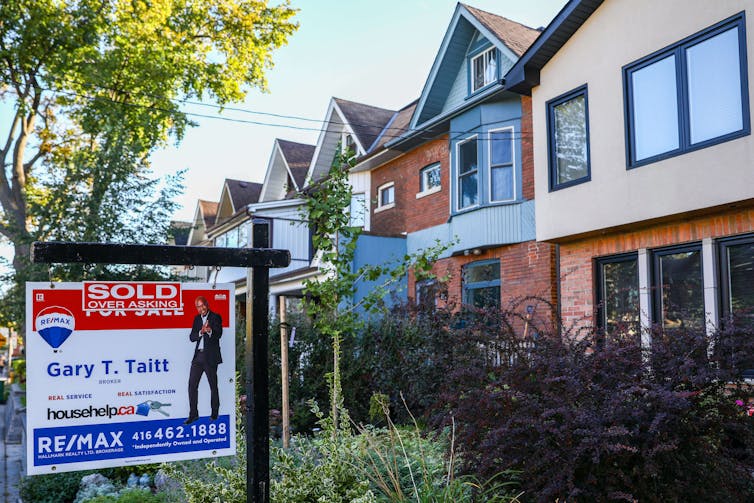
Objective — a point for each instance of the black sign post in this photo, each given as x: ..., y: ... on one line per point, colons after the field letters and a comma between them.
x: 260, y: 259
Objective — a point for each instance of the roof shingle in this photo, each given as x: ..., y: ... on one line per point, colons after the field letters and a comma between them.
x: 366, y: 121
x: 516, y: 36
x: 209, y: 212
x: 243, y: 193
x: 298, y: 156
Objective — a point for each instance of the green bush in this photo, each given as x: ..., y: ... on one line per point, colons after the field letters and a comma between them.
x: 131, y: 496
x: 52, y: 488
x: 19, y: 370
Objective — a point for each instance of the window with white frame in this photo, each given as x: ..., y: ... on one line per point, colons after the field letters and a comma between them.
x: 429, y: 178
x: 386, y: 196
x: 502, y: 174
x: 358, y: 210
x: 468, y: 173
x: 690, y: 95
x: 483, y: 69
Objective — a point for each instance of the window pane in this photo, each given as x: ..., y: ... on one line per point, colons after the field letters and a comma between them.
x: 741, y: 281
x: 482, y: 272
x: 490, y: 71
x: 655, y: 109
x: 221, y: 241
x: 358, y: 210
x: 430, y: 177
x: 502, y: 147
x: 502, y: 183
x: 570, y: 140
x: 714, y: 87
x: 478, y: 65
x: 467, y: 156
x: 620, y: 291
x: 483, y: 297
x: 682, y: 290
x: 232, y: 237
x: 469, y: 194
x: 387, y: 196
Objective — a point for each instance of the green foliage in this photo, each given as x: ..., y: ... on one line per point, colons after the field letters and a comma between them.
x: 131, y: 496
x: 53, y: 488
x: 330, y: 301
x: 94, y: 88
x: 320, y: 468
x: 19, y: 369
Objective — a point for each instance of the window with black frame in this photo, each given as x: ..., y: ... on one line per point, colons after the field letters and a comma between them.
x: 679, y: 287
x: 481, y: 283
x: 737, y: 289
x: 737, y: 278
x: 618, y: 294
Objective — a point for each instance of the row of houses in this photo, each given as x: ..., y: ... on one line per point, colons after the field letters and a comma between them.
x: 603, y: 163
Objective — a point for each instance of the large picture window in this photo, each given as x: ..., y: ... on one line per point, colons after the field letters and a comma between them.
x: 618, y: 294
x: 568, y: 139
x: 688, y: 96
x: 481, y: 283
x: 679, y: 287
x: 501, y: 165
x: 468, y: 174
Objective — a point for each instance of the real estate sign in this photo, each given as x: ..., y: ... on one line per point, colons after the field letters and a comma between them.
x: 111, y: 367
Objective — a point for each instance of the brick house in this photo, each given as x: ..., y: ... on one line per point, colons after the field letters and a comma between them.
x: 456, y: 166
x: 643, y: 159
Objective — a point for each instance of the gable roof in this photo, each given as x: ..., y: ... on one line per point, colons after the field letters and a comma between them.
x: 366, y: 121
x: 509, y: 37
x: 208, y: 211
x: 242, y: 193
x: 525, y: 72
x: 298, y: 156
x: 395, y: 128
x: 516, y: 36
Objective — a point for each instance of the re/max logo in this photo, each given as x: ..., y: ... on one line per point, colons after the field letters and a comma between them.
x: 78, y: 442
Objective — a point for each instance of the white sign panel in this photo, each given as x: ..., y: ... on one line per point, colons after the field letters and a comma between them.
x: 125, y: 373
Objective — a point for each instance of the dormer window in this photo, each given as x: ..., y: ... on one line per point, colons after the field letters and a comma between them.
x: 483, y: 69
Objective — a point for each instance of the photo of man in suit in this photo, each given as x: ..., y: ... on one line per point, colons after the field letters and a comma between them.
x: 205, y: 333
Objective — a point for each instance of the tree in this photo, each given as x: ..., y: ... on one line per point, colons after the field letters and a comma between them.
x: 95, y: 87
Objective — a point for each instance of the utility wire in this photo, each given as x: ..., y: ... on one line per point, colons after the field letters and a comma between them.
x: 458, y: 134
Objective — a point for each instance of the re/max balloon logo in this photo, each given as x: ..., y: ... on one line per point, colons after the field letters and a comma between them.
x: 55, y: 324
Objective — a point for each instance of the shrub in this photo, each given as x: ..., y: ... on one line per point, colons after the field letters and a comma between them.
x: 52, y: 488
x: 593, y: 417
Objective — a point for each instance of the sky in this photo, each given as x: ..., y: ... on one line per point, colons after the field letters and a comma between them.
x: 378, y: 53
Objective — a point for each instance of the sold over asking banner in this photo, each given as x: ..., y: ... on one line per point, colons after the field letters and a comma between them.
x: 123, y: 373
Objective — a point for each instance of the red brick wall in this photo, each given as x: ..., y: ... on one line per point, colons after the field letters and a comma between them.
x: 527, y: 149
x: 411, y: 214
x: 526, y: 269
x: 577, y: 294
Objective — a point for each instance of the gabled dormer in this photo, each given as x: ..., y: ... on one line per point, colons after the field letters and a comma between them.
x: 476, y: 52
x: 204, y: 218
x: 286, y: 170
x: 348, y: 125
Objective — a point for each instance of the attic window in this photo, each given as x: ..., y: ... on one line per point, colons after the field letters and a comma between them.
x: 483, y: 69
x: 350, y: 145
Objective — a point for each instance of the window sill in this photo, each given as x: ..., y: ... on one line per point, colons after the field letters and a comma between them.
x: 383, y: 208
x: 433, y: 190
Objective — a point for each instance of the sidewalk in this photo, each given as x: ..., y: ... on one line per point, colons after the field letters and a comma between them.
x: 11, y: 464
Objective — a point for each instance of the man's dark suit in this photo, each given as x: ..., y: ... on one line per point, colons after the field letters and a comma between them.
x: 205, y: 362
